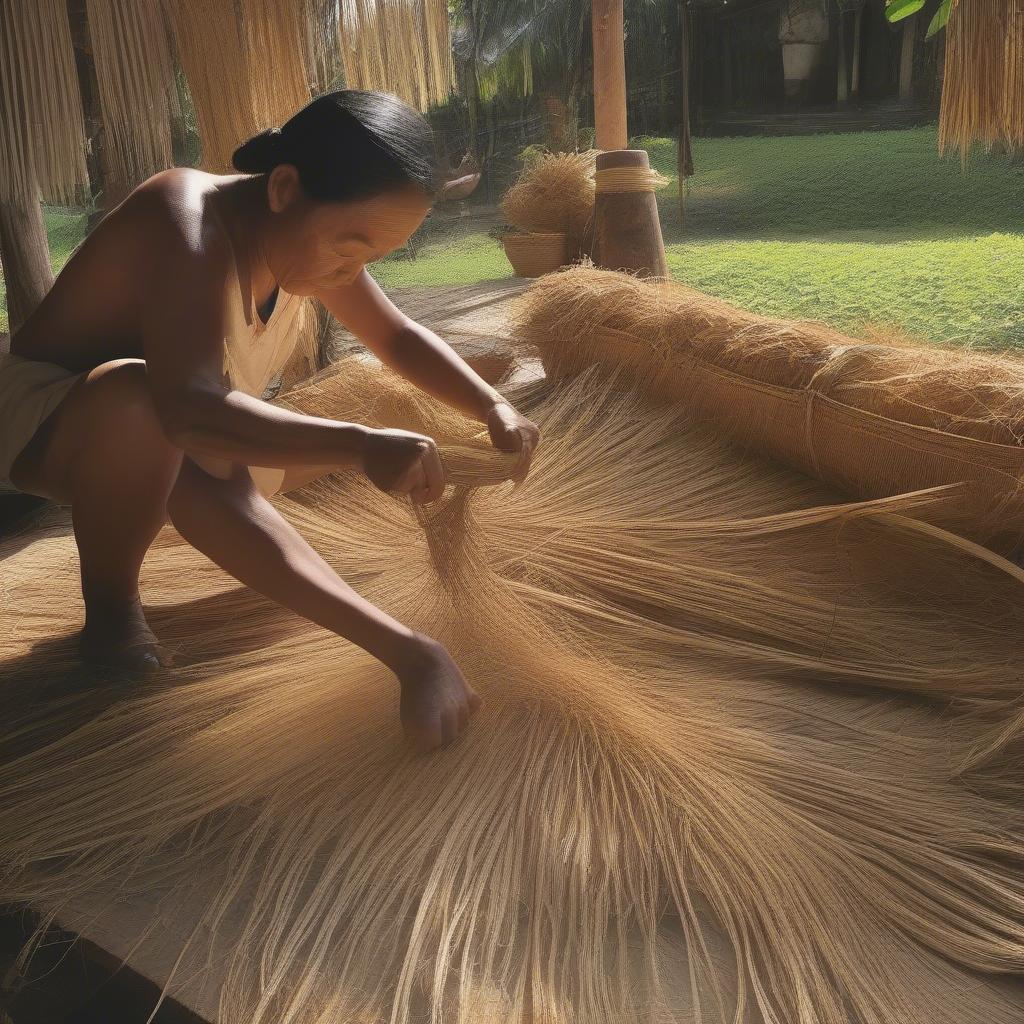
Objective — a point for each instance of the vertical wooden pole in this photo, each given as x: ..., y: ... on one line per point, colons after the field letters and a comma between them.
x: 609, y: 74
x: 25, y: 253
x: 907, y: 59
x: 855, y: 72
x: 842, y: 87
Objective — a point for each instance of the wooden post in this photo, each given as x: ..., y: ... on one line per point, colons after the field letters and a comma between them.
x: 855, y: 73
x: 907, y: 59
x: 842, y: 88
x: 609, y: 35
x: 25, y: 253
x: 626, y: 230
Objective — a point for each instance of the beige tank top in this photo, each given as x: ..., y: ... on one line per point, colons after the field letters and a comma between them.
x: 254, y: 352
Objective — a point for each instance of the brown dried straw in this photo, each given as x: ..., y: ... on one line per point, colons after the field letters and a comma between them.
x: 554, y: 193
x: 870, y: 418
x: 705, y: 785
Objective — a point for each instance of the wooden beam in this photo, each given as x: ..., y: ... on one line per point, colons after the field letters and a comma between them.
x: 609, y: 74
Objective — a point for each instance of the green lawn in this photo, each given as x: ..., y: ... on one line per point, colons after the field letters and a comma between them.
x: 867, y: 230
x: 859, y: 230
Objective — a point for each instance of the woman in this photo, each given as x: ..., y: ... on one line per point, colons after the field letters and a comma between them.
x: 133, y: 393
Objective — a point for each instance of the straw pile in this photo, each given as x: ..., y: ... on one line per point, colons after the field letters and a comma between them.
x: 869, y: 418
x: 983, y: 76
x: 554, y: 193
x: 719, y: 776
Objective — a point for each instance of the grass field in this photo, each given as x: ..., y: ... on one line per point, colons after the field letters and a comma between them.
x: 859, y: 230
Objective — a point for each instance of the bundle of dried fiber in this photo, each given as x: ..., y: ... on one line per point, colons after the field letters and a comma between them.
x: 43, y: 143
x: 277, y: 39
x: 398, y: 46
x: 135, y: 73
x: 246, y: 66
x: 871, y: 419
x: 554, y: 193
x: 651, y: 817
x: 983, y: 76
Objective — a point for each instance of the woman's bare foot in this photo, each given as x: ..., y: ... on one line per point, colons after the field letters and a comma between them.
x: 116, y: 635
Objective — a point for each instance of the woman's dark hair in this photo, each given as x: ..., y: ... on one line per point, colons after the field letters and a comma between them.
x: 348, y: 145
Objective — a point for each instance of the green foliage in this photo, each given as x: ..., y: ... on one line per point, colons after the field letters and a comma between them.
x: 897, y: 10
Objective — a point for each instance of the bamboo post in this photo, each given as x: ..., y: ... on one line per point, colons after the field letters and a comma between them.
x: 626, y: 230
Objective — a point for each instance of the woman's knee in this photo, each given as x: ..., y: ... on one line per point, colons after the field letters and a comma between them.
x: 120, y: 430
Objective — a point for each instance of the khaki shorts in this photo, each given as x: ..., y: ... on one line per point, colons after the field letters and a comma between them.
x: 31, y: 389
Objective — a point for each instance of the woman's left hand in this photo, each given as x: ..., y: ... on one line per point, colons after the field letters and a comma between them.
x: 512, y: 432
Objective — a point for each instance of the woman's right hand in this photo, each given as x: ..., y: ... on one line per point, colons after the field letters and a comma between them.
x: 436, y: 699
x: 403, y: 462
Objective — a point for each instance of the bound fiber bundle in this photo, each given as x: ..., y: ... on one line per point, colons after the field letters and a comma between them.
x: 869, y: 418
x: 554, y: 193
x: 746, y: 752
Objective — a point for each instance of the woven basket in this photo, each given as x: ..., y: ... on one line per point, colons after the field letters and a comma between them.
x: 535, y: 253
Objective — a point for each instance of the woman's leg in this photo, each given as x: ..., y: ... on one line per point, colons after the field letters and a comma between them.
x: 103, y: 452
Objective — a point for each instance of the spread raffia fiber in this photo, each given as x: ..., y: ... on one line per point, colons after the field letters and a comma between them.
x: 746, y: 753
x: 868, y: 417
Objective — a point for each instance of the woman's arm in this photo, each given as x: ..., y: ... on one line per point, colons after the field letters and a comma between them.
x: 430, y: 363
x: 409, y: 348
x: 181, y: 314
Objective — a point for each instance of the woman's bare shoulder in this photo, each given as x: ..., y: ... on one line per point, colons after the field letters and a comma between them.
x: 175, y: 212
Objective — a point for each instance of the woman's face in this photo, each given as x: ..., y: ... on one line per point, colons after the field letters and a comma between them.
x: 318, y: 246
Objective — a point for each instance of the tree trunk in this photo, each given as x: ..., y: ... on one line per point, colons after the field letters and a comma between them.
x: 25, y: 254
x: 907, y: 59
x: 609, y: 74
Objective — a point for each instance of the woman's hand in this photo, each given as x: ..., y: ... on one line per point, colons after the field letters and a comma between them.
x: 512, y: 432
x: 436, y: 700
x: 403, y: 462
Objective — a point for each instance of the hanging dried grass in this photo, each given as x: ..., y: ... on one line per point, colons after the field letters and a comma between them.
x: 42, y: 130
x: 554, y: 193
x: 983, y: 79
x: 674, y: 805
x: 246, y: 67
x: 868, y: 417
x: 276, y: 35
x: 398, y: 46
x: 138, y: 97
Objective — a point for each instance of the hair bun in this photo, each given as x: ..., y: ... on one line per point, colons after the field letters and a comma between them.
x: 261, y: 154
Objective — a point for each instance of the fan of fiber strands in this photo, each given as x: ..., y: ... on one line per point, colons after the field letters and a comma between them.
x: 746, y: 753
